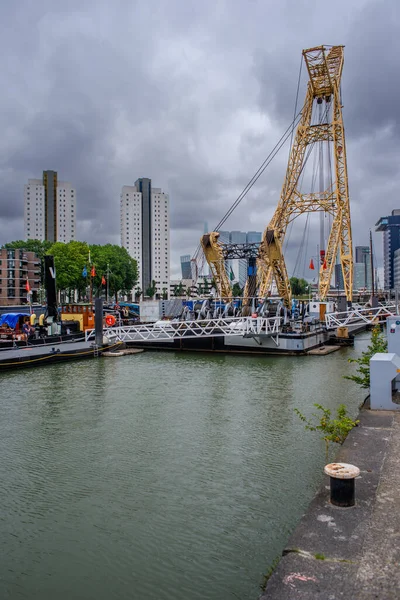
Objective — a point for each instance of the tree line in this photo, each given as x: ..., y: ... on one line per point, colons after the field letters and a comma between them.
x: 113, y: 263
x: 74, y: 271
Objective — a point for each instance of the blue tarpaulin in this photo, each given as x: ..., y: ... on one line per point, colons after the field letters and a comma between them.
x: 11, y: 319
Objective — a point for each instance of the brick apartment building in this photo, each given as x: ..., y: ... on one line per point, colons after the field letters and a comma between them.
x: 16, y: 267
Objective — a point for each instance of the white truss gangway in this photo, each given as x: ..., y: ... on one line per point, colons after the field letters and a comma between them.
x: 173, y: 330
x: 355, y: 316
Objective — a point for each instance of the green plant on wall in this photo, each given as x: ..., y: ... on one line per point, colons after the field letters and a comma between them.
x: 334, y: 430
x: 378, y: 344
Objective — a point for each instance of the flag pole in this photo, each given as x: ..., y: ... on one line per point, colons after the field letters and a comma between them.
x: 91, y: 282
x: 108, y: 275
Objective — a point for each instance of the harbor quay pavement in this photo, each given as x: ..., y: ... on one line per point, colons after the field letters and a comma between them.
x: 350, y: 553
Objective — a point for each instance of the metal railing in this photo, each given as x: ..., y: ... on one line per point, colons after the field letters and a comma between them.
x: 172, y: 330
x: 357, y: 315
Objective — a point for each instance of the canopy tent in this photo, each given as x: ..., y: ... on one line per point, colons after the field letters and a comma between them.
x: 11, y: 319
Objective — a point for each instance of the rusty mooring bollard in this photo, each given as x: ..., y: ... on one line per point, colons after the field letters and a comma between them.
x: 342, y: 479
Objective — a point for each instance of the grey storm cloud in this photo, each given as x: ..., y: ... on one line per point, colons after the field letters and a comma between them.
x: 194, y: 95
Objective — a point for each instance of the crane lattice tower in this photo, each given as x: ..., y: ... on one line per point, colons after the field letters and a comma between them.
x: 324, y: 66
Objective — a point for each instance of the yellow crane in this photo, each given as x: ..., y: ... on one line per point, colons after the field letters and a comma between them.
x: 324, y: 66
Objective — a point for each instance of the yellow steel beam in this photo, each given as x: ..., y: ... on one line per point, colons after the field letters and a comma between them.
x: 215, y: 258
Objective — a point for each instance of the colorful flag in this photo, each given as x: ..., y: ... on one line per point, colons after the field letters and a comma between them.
x: 311, y: 265
x: 84, y: 272
x: 324, y: 265
x: 231, y: 275
x: 93, y: 272
x: 27, y: 286
x: 103, y: 280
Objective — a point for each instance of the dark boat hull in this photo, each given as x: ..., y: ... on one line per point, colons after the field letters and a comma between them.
x: 40, y: 341
x: 33, y: 356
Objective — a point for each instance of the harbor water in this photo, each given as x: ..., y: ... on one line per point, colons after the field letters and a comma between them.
x: 159, y: 476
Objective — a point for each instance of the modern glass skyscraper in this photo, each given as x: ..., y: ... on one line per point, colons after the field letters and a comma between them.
x: 186, y: 267
x: 363, y: 257
x: 391, y: 242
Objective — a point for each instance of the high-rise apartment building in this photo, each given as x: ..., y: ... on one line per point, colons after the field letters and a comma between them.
x: 49, y: 209
x: 391, y: 242
x: 66, y: 212
x: 144, y: 213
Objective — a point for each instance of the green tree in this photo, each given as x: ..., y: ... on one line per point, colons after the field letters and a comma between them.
x: 179, y: 290
x: 71, y: 258
x: 207, y: 286
x: 151, y: 289
x: 203, y: 289
x: 69, y: 261
x: 120, y: 266
x: 378, y: 344
x: 304, y: 285
x: 237, y: 291
x: 298, y: 286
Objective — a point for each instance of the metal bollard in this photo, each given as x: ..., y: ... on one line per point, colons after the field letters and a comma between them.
x: 342, y: 480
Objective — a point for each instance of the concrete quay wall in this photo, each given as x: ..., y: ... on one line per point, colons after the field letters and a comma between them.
x: 350, y: 553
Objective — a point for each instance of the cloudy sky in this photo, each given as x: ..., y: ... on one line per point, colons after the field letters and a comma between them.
x: 193, y: 95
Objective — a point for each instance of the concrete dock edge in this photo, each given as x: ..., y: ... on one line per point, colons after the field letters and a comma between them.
x: 350, y: 553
